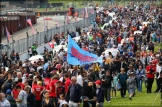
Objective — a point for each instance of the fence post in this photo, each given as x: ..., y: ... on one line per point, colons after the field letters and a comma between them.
x: 27, y: 43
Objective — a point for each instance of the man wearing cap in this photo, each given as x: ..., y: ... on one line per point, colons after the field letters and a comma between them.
x: 99, y: 93
x: 150, y: 71
x: 10, y: 98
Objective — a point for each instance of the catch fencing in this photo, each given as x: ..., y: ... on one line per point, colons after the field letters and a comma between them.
x: 41, y: 38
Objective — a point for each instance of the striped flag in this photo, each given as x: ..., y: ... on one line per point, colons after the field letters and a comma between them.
x: 51, y: 44
x: 86, y: 10
x: 30, y: 23
x: 8, y: 35
x: 58, y: 24
x: 83, y: 13
x: 92, y: 11
x: 67, y: 19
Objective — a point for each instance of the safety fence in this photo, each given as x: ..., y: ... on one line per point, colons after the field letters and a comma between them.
x: 40, y: 38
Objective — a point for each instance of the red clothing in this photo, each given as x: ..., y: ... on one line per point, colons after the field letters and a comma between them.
x: 22, y: 85
x: 34, y: 86
x: 15, y: 93
x: 52, y: 85
x: 38, y: 89
x: 46, y: 82
x: 67, y: 84
x: 149, y: 75
x: 119, y: 39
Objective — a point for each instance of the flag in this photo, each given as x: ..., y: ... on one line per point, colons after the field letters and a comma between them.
x: 51, y: 44
x: 67, y: 19
x: 8, y: 35
x: 58, y: 24
x: 30, y: 23
x: 92, y: 11
x: 86, y: 10
x: 78, y: 56
x: 83, y: 13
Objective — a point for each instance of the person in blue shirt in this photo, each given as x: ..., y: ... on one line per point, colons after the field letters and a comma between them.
x: 99, y: 93
x: 140, y: 75
x: 122, y: 78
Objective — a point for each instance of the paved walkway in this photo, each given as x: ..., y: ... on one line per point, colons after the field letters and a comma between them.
x: 39, y: 26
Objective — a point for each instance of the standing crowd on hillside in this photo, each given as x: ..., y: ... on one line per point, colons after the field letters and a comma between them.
x: 52, y: 82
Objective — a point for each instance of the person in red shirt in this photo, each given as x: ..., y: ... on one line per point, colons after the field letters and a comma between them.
x: 15, y: 92
x: 150, y: 71
x: 20, y: 83
x: 52, y: 88
x: 47, y: 80
x: 37, y: 90
x: 67, y: 82
x: 119, y: 39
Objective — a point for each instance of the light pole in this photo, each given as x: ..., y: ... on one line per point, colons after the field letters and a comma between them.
x: 26, y: 17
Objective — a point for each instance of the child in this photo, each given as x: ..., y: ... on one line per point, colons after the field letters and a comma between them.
x: 99, y: 93
x: 85, y: 92
x: 131, y: 82
x: 113, y: 85
x: 62, y: 101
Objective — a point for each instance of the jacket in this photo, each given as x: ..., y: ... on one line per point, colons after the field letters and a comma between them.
x: 131, y: 82
x: 75, y: 97
x: 100, y: 95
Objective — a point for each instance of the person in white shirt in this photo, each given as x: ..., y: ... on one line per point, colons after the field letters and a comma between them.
x: 22, y: 97
x: 3, y: 101
x: 80, y: 79
x: 61, y: 77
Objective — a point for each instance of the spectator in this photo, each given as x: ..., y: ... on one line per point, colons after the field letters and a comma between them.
x: 3, y: 101
x: 106, y: 84
x: 30, y: 98
x: 122, y: 77
x: 10, y: 98
x: 74, y: 93
x: 131, y: 85
x: 47, y: 101
x: 22, y: 97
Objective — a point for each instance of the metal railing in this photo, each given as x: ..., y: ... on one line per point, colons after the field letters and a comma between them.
x: 41, y: 38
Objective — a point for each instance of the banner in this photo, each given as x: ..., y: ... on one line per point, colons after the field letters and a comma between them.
x: 83, y: 13
x: 8, y: 35
x: 67, y: 19
x: 77, y: 56
x: 86, y: 10
x: 30, y: 23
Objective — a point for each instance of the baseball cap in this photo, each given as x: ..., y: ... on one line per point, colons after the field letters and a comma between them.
x: 8, y: 91
x: 98, y: 82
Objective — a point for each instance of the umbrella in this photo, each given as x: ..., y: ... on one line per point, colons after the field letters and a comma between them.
x: 37, y: 57
x: 58, y: 47
x: 76, y: 38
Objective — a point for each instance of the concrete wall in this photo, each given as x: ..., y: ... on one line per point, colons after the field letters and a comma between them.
x: 40, y: 50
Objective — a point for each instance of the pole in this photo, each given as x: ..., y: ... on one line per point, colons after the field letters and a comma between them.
x: 27, y: 43
x: 26, y: 17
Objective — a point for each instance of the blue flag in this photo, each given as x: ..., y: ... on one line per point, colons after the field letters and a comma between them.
x: 77, y: 56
